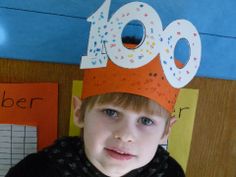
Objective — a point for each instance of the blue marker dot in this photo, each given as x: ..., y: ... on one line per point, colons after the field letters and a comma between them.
x: 141, y: 5
x: 94, y: 62
x: 165, y: 62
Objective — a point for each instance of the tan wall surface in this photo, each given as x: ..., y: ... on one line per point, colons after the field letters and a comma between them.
x: 213, y: 148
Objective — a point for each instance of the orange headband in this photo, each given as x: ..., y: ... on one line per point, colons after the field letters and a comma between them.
x: 148, y: 81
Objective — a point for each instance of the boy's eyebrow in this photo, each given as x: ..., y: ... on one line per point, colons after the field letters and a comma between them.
x: 109, y: 106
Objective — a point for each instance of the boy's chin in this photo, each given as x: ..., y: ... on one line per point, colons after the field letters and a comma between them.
x: 114, y: 170
x: 118, y: 171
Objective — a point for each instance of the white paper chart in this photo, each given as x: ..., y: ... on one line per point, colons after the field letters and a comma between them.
x: 16, y: 142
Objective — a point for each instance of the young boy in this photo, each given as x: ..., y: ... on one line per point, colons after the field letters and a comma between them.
x: 125, y: 117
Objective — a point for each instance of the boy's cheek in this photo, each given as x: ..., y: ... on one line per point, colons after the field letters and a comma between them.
x: 156, y: 130
x: 96, y: 126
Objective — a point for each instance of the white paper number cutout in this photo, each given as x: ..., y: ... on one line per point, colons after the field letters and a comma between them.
x: 105, y: 41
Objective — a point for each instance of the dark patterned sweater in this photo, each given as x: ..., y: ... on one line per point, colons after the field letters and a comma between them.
x: 66, y: 158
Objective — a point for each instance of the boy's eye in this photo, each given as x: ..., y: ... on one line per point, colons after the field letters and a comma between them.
x: 111, y: 113
x: 146, y: 121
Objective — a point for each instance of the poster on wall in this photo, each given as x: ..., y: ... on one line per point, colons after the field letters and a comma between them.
x: 179, y: 141
x: 28, y: 120
x: 185, y: 109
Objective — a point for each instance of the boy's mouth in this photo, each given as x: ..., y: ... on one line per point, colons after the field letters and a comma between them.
x: 119, y: 154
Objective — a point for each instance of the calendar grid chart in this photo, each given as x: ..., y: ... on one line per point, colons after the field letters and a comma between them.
x: 16, y: 142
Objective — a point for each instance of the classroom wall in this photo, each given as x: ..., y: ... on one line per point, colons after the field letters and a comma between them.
x: 213, y: 149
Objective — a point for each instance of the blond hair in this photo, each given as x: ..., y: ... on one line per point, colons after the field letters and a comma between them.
x: 124, y: 100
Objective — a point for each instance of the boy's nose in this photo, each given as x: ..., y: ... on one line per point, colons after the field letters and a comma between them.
x: 123, y: 138
x: 125, y: 134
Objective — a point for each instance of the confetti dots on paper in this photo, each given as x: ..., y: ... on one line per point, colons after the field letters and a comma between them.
x: 105, y: 41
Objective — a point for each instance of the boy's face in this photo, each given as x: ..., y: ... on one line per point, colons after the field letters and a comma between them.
x: 118, y: 140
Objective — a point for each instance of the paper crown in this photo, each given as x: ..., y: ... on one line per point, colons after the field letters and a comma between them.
x: 148, y: 81
x: 149, y: 69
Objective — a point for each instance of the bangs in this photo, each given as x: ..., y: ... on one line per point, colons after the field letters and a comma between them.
x: 126, y: 101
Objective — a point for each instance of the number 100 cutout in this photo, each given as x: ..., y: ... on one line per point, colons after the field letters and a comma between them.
x: 105, y: 42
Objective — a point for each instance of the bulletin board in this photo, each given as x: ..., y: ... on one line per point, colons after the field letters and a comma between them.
x: 213, y: 148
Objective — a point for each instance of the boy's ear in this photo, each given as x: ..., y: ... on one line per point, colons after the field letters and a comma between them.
x: 76, y: 102
x: 169, y: 124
